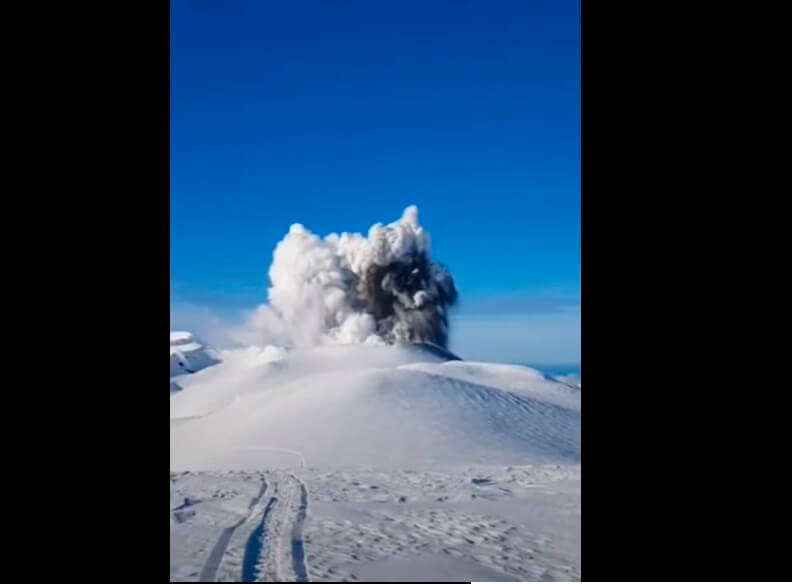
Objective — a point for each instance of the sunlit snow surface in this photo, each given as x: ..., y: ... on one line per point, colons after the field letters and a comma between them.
x: 372, y: 462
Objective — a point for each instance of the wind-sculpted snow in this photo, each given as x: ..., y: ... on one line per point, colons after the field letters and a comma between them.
x: 369, y: 406
x: 373, y: 462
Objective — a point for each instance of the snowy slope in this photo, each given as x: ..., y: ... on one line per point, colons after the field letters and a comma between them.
x: 369, y: 406
x: 524, y: 381
x: 373, y: 463
x: 571, y: 379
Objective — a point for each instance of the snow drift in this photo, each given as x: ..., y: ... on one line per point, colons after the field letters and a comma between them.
x: 369, y: 405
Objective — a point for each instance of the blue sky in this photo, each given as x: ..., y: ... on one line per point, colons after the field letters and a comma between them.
x: 338, y: 114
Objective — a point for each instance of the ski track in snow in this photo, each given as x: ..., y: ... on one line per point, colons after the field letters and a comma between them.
x: 264, y: 545
x: 479, y: 523
x: 281, y: 556
x: 255, y: 543
x: 209, y: 572
x: 417, y: 471
x: 298, y: 546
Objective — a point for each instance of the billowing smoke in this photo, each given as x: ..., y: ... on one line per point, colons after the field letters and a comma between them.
x: 351, y: 288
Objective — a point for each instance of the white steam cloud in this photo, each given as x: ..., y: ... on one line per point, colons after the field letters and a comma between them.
x: 383, y: 288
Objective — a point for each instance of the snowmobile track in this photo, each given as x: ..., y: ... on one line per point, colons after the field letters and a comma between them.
x: 275, y: 551
x: 209, y: 571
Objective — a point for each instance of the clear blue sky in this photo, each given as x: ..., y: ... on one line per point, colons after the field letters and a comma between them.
x: 338, y: 114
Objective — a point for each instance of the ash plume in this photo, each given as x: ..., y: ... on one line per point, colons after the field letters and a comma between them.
x: 351, y: 288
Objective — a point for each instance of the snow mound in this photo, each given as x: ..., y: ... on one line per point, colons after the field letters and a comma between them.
x: 512, y: 378
x: 369, y: 405
x: 188, y: 354
x: 254, y: 369
x: 571, y: 379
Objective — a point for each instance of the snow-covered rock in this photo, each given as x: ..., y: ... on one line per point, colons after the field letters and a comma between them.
x: 189, y: 355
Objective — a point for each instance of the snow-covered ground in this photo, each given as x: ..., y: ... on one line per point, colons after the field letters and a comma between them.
x: 372, y: 463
